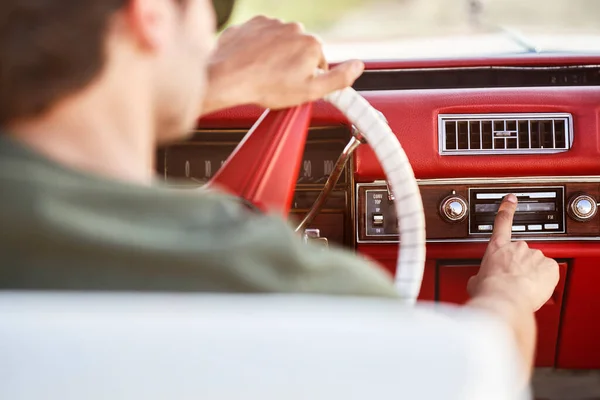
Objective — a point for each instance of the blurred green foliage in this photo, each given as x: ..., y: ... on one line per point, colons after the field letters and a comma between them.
x: 314, y: 14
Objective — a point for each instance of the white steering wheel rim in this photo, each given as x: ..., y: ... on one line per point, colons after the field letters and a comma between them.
x: 401, y: 178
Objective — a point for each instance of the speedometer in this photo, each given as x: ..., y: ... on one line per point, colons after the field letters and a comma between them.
x: 319, y: 160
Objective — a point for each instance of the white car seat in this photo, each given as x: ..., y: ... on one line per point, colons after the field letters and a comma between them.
x: 188, y: 346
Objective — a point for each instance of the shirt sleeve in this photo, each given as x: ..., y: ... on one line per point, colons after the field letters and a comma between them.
x: 269, y: 256
x: 89, y: 234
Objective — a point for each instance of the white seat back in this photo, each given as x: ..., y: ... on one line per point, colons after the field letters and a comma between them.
x: 134, y: 346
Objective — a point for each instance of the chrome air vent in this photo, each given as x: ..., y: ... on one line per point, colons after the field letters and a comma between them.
x: 467, y: 134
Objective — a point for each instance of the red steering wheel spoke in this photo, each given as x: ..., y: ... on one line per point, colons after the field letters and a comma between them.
x: 263, y: 169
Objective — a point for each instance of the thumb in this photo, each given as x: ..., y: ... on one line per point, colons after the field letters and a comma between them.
x: 337, y: 78
x: 472, y: 285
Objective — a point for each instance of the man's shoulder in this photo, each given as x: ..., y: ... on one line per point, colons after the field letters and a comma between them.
x: 210, y: 237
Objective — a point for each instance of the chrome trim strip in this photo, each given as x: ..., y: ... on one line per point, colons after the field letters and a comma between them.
x: 442, y: 118
x: 485, y: 68
x: 485, y: 240
x: 357, y: 211
x: 505, y: 180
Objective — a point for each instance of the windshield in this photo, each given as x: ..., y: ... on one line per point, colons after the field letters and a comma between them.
x: 439, y: 27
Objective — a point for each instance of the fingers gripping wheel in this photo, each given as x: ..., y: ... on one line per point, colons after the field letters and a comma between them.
x: 408, y: 203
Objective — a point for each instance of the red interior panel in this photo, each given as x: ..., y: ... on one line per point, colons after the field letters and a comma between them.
x: 474, y: 251
x: 412, y: 114
x: 388, y: 259
x: 579, y: 345
x: 452, y: 281
x: 571, y: 343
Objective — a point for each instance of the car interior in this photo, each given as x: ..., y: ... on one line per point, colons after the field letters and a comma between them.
x: 407, y: 168
x: 534, y: 134
x: 474, y: 130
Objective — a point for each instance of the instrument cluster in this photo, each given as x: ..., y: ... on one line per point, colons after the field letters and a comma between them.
x: 194, y: 162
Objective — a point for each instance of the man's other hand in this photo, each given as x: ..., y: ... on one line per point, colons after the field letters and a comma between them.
x: 272, y: 64
x: 512, y: 268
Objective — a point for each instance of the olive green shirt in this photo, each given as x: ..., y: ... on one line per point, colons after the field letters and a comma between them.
x: 64, y: 229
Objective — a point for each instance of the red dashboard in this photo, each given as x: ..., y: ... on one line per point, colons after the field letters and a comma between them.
x: 568, y: 330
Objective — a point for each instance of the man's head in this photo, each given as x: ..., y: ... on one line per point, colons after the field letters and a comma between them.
x: 55, y: 50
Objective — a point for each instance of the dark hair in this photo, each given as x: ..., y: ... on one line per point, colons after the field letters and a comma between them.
x: 48, y: 50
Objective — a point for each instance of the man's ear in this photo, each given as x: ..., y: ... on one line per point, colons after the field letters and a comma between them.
x: 149, y: 22
x: 223, y: 10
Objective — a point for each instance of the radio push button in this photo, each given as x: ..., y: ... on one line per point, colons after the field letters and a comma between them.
x: 551, y: 227
x: 534, y: 227
x: 518, y: 228
x: 485, y: 228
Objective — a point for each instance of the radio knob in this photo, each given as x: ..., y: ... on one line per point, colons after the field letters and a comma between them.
x: 582, y: 208
x: 454, y: 208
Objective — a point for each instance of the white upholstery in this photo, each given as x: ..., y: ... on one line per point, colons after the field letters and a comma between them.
x: 133, y: 346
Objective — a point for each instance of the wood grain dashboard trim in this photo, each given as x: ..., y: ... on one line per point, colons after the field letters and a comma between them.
x: 440, y: 231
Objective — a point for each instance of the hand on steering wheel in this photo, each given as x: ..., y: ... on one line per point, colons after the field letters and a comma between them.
x: 272, y: 64
x: 277, y: 63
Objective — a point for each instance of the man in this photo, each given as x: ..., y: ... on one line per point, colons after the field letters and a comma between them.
x: 87, y: 91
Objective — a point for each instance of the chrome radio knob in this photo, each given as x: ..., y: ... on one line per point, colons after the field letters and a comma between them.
x: 454, y: 208
x: 582, y: 208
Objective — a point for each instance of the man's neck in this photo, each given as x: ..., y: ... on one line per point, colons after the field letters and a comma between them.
x: 107, y: 138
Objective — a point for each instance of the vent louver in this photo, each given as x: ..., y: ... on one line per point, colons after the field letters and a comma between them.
x: 469, y: 134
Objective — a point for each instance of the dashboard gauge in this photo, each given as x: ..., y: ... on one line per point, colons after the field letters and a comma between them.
x: 319, y: 160
x: 196, y: 161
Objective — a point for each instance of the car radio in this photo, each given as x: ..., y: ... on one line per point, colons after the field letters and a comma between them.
x: 540, y: 210
x: 549, y: 209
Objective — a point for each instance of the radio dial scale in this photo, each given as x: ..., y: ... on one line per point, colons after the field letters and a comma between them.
x: 539, y: 210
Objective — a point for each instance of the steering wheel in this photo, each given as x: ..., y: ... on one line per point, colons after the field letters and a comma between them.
x: 264, y: 167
